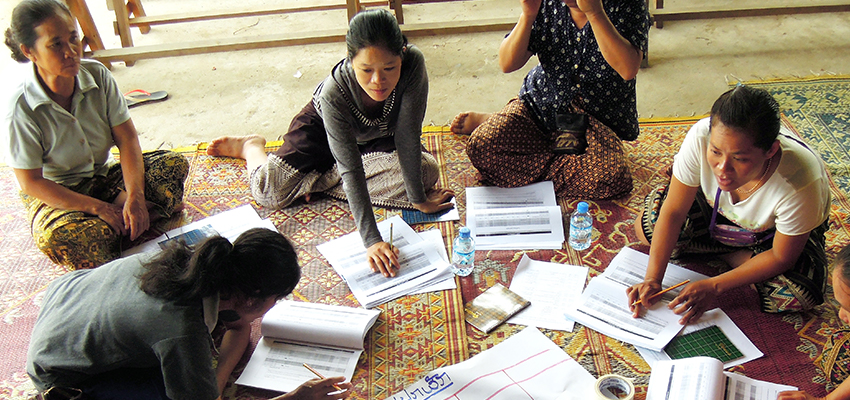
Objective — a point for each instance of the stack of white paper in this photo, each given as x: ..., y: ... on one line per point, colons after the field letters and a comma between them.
x: 327, y: 338
x: 551, y: 288
x: 520, y: 218
x: 424, y: 266
x: 604, y: 305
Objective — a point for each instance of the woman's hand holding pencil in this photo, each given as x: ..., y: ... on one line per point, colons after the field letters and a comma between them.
x: 319, y: 389
x: 693, y: 300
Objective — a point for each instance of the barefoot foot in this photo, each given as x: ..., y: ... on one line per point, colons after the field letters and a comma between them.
x: 235, y: 146
x: 466, y: 122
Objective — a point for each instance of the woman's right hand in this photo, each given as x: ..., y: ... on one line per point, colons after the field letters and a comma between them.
x: 530, y: 7
x: 797, y: 395
x: 383, y: 258
x: 320, y: 389
x: 643, y: 291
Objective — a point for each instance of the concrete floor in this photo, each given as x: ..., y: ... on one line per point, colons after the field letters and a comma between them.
x: 258, y: 91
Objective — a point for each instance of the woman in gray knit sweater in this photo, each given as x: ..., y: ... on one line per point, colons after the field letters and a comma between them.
x: 362, y: 129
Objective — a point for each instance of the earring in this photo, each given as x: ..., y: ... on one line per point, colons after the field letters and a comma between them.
x: 229, y: 315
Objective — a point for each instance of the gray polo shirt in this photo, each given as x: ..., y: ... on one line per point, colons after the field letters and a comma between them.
x: 68, y: 146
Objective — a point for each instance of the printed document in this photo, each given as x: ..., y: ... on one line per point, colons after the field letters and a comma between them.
x: 520, y: 218
x: 421, y: 264
x: 703, y: 378
x: 604, y: 304
x: 525, y: 366
x: 551, y: 288
x: 325, y: 337
x: 229, y: 224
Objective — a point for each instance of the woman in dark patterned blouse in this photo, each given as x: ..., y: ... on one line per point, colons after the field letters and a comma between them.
x: 589, y: 53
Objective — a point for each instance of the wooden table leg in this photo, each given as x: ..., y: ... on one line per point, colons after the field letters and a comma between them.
x: 91, y: 37
x: 122, y: 23
x: 395, y: 5
x: 353, y: 7
x: 135, y: 7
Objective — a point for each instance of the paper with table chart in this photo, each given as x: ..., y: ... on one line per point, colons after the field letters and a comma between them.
x: 525, y: 366
x: 520, y: 218
x: 551, y: 288
x: 422, y: 266
x: 229, y: 224
x: 604, y: 307
x: 718, y: 318
x: 703, y: 378
x: 325, y: 337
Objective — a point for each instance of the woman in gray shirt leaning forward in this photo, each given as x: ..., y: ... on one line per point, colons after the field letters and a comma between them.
x: 362, y: 125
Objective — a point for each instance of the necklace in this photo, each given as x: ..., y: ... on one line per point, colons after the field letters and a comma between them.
x: 760, y: 182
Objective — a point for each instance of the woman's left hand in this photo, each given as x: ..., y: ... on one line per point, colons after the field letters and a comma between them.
x: 694, y: 300
x: 438, y: 200
x: 383, y: 258
x: 136, y: 217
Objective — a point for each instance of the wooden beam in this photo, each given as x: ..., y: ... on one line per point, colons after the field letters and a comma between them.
x: 680, y: 14
x: 238, y: 13
x: 131, y: 54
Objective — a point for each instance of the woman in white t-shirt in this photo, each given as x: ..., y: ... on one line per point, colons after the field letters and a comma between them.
x: 743, y: 188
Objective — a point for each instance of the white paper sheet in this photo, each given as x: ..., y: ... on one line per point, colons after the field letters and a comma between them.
x: 420, y: 260
x: 525, y: 366
x: 436, y: 236
x: 715, y: 317
x: 551, y: 288
x: 604, y: 304
x: 229, y: 224
x: 526, y: 217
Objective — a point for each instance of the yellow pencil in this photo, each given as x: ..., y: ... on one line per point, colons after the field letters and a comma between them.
x: 320, y: 375
x: 664, y: 291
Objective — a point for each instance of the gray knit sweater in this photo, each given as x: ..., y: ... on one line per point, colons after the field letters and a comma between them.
x: 338, y: 101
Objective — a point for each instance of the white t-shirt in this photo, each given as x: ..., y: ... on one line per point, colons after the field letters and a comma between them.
x: 68, y: 147
x: 794, y: 200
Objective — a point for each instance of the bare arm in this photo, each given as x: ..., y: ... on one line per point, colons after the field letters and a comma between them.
x: 34, y: 184
x: 135, y: 211
x: 842, y: 392
x: 233, y: 345
x: 672, y: 216
x: 618, y: 52
x: 513, y: 52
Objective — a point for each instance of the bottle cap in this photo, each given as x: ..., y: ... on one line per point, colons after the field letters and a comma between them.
x: 582, y: 207
x: 464, y: 232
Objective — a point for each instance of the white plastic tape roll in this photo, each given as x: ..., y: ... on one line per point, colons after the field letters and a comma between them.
x: 614, y: 387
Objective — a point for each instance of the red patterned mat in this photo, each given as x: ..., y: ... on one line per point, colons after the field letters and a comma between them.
x: 419, y: 333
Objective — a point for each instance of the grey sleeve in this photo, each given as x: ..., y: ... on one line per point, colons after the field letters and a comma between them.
x: 408, y: 130
x: 343, y: 146
x: 187, y: 369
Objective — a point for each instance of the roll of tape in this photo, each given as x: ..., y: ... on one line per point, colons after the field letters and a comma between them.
x: 614, y: 387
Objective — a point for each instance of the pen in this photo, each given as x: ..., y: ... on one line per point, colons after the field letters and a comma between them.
x: 317, y: 372
x: 664, y: 291
x: 391, y: 236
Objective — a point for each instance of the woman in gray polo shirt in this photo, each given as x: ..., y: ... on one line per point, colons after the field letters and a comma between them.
x: 362, y: 125
x: 62, y: 119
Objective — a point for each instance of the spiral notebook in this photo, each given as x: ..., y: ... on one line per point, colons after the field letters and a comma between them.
x: 493, y: 307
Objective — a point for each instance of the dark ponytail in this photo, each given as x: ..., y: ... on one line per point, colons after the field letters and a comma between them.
x: 260, y: 263
x: 26, y: 16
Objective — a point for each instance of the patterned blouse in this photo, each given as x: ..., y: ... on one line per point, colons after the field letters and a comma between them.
x: 571, y: 66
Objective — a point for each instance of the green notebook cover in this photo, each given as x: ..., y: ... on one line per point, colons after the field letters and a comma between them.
x: 709, y: 342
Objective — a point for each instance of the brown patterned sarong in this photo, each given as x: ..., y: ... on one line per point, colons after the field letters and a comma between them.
x: 800, y: 288
x: 510, y: 149
x: 80, y: 240
x: 304, y: 164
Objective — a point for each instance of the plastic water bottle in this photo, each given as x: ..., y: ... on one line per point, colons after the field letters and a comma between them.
x: 463, y: 253
x: 581, y: 227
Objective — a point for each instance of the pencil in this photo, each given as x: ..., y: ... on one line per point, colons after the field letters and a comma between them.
x: 391, y: 236
x: 665, y: 291
x: 317, y: 372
